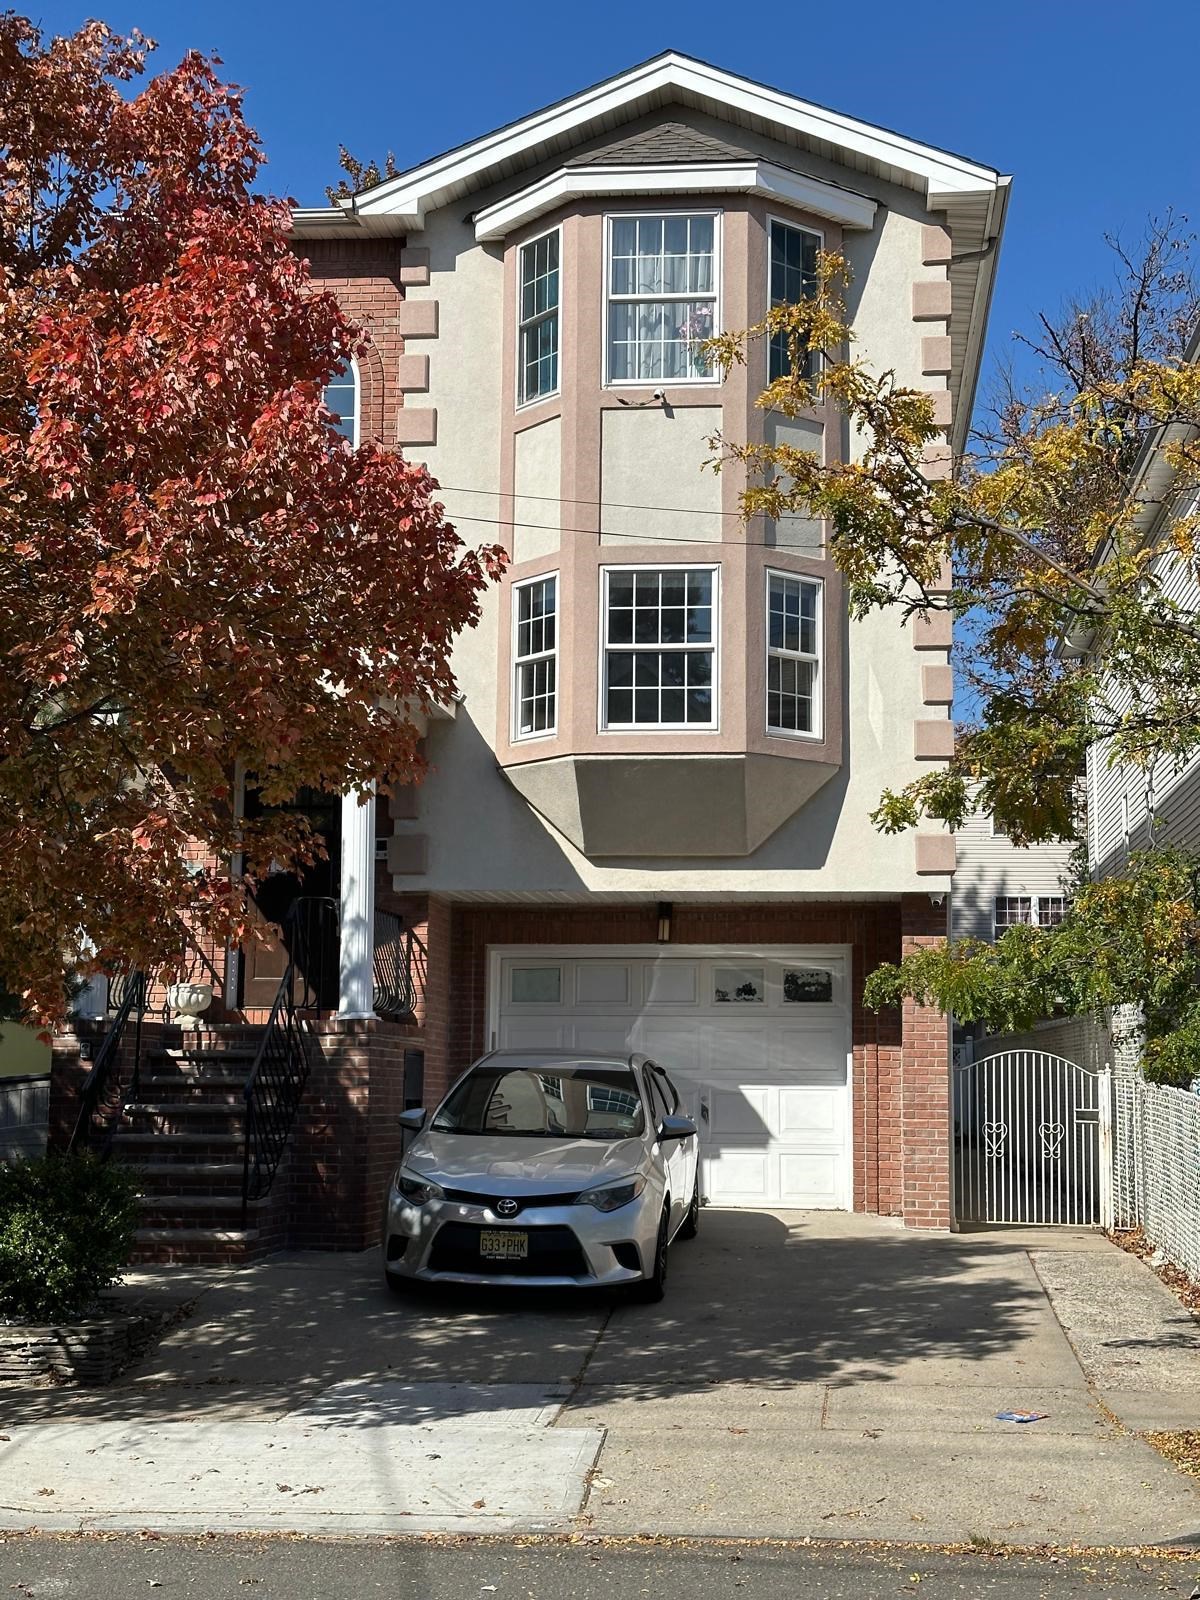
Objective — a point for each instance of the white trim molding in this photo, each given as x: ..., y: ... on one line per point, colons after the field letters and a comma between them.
x: 822, y: 199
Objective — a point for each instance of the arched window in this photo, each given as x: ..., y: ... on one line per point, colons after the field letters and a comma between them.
x: 341, y: 398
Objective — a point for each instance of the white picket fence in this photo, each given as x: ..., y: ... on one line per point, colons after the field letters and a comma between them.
x: 1157, y: 1167
x: 24, y: 1116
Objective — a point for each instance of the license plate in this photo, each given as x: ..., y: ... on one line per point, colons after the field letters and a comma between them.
x: 503, y: 1244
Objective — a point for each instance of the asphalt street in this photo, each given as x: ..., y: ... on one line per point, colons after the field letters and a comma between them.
x: 84, y: 1567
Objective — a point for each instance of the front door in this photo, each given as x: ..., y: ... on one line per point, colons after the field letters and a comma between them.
x: 265, y: 954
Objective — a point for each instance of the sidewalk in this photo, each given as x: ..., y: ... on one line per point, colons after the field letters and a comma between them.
x: 809, y: 1375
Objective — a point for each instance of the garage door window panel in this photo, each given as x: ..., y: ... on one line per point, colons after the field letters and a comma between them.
x: 740, y: 985
x: 660, y: 656
x: 540, y: 986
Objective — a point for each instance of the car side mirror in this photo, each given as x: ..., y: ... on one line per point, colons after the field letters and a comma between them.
x: 412, y: 1121
x: 676, y: 1128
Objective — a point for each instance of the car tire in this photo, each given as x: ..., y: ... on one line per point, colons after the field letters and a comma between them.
x: 652, y: 1289
x: 690, y: 1226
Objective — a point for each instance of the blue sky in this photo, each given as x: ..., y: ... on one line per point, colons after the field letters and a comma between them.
x: 1082, y: 103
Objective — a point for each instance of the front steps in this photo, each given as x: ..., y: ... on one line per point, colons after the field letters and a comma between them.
x: 185, y: 1135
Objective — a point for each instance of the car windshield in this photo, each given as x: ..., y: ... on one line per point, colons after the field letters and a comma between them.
x: 580, y: 1100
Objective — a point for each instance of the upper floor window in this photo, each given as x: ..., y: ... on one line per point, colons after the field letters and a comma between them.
x: 1034, y: 910
x: 537, y: 357
x: 535, y: 620
x: 340, y: 398
x: 662, y: 297
x: 660, y: 666
x: 793, y: 653
x: 793, y: 275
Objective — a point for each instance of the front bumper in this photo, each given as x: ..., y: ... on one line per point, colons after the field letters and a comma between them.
x: 570, y: 1246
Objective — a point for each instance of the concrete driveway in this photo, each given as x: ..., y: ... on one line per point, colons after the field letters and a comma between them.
x: 809, y: 1374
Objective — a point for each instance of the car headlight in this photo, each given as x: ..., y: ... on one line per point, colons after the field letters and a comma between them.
x: 612, y: 1196
x: 416, y: 1190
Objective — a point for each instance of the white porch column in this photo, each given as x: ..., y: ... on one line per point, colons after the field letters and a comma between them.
x: 356, y: 994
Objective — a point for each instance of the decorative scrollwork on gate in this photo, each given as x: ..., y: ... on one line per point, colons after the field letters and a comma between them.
x: 1051, y: 1135
x: 995, y: 1137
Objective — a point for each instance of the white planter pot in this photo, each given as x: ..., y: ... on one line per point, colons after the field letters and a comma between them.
x: 189, y: 1002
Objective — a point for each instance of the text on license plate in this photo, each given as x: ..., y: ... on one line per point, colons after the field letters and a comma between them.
x: 503, y: 1244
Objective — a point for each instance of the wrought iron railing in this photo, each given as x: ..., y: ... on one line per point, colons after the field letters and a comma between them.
x: 399, y: 967
x: 281, y: 1066
x: 103, y: 1085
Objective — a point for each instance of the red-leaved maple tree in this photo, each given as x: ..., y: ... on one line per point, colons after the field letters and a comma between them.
x: 195, y: 570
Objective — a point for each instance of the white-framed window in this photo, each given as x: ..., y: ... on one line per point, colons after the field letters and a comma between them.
x: 793, y: 654
x: 791, y: 276
x: 660, y: 647
x: 1033, y: 910
x: 539, y: 289
x: 340, y: 399
x: 662, y: 296
x: 535, y: 658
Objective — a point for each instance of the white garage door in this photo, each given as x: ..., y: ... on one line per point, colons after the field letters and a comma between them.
x: 758, y: 1042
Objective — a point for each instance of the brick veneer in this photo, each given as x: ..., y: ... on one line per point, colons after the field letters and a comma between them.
x: 366, y: 278
x: 901, y: 1078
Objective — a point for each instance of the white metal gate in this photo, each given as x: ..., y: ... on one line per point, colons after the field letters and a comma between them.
x: 1033, y: 1141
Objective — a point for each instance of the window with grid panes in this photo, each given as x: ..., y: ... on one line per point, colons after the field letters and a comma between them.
x: 340, y: 397
x: 662, y: 298
x: 660, y: 647
x: 536, y: 658
x: 793, y: 653
x: 538, y: 339
x: 793, y: 277
x: 1034, y: 910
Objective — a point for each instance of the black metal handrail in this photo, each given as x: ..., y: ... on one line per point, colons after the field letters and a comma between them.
x: 105, y: 1075
x: 281, y: 1066
x: 398, y: 967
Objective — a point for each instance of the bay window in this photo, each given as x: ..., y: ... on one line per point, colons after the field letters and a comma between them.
x: 793, y: 654
x: 793, y: 277
x: 662, y: 297
x: 660, y: 653
x: 537, y: 355
x: 535, y: 658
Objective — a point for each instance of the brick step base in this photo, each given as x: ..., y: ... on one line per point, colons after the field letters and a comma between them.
x: 198, y: 1246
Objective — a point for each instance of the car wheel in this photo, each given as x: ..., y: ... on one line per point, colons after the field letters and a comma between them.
x: 690, y: 1226
x: 652, y: 1289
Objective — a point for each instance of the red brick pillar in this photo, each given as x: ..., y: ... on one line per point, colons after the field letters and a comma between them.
x: 436, y: 1012
x: 925, y: 1110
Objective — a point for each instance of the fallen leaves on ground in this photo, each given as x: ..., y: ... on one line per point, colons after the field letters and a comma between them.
x: 1182, y: 1449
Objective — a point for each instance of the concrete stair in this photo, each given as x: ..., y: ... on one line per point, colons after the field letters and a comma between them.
x: 184, y: 1134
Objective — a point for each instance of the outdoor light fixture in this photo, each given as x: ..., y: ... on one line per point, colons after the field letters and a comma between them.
x: 664, y: 922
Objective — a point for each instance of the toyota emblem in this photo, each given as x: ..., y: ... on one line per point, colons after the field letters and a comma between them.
x: 507, y: 1208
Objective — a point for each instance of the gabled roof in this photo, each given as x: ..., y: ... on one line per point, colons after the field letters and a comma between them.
x: 973, y: 196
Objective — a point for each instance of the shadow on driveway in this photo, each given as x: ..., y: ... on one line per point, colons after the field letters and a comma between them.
x: 759, y: 1298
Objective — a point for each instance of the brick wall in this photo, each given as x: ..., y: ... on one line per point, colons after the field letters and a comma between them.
x: 365, y: 277
x: 925, y: 1110
x: 901, y: 1105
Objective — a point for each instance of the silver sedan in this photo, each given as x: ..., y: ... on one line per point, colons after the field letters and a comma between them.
x: 546, y: 1168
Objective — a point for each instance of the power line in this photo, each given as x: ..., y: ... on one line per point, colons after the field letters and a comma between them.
x: 606, y: 505
x: 612, y: 505
x: 611, y: 533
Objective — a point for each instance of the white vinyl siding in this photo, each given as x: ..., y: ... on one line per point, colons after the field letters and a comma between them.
x: 990, y: 867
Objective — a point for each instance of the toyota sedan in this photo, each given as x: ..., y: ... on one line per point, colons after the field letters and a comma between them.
x: 546, y: 1169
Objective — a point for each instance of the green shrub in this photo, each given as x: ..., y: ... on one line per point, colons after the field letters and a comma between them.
x: 66, y: 1232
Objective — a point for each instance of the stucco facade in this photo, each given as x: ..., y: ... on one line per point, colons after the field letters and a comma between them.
x: 603, y: 830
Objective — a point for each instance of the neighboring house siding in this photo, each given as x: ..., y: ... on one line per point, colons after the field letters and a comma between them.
x: 1129, y: 807
x: 990, y: 865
